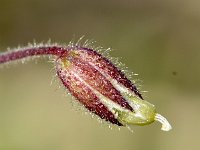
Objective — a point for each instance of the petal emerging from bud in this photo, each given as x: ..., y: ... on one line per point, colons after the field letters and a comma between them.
x: 102, y: 88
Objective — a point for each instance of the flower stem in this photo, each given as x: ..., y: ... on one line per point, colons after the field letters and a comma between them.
x: 33, y: 51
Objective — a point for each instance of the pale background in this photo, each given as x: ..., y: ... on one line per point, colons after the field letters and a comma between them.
x: 158, y: 39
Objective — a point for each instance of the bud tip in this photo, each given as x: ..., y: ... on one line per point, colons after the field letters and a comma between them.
x: 165, y: 124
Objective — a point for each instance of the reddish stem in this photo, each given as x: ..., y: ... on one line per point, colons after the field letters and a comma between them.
x: 49, y: 50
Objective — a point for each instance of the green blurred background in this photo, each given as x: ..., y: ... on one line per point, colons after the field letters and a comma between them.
x: 158, y: 39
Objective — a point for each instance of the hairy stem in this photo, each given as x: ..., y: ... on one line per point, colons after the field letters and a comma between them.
x: 34, y: 51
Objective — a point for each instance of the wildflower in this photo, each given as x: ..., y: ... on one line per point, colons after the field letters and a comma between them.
x: 104, y: 90
x: 96, y: 83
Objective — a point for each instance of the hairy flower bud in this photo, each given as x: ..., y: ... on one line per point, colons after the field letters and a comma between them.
x: 96, y: 83
x: 104, y: 89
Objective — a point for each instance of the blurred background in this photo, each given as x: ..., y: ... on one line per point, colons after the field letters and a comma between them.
x: 158, y: 39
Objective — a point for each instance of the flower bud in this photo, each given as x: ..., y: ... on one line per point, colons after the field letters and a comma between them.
x: 104, y: 89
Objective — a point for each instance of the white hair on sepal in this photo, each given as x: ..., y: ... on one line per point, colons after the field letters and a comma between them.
x: 91, y: 44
